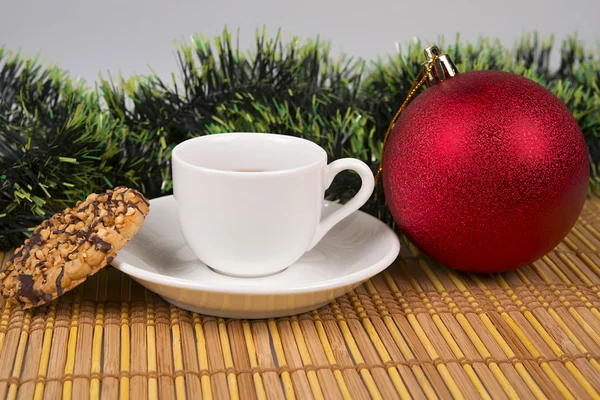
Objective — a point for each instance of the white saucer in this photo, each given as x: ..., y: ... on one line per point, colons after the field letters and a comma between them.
x: 356, y: 249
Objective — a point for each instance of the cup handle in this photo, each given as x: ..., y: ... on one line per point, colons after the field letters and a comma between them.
x: 366, y: 189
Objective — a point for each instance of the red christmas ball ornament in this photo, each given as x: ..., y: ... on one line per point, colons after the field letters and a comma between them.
x: 484, y: 171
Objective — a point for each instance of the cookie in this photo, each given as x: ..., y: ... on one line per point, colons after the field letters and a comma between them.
x: 64, y: 250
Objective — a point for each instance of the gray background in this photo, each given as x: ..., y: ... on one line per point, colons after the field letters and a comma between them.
x: 130, y: 36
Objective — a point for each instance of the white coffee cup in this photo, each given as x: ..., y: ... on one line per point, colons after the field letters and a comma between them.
x: 250, y: 203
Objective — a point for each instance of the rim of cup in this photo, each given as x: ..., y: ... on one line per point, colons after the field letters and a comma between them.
x: 262, y: 135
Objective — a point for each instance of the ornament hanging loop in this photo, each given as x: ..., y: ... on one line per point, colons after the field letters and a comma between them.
x: 437, y: 68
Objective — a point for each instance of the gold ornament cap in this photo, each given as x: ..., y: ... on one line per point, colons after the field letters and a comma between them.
x: 443, y: 67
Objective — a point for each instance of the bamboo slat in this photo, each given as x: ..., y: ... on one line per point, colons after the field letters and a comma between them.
x: 417, y: 330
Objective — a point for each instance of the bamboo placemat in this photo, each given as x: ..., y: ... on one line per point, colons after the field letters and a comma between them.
x: 417, y: 330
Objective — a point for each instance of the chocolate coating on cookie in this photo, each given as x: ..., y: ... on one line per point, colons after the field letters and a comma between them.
x: 26, y: 288
x: 59, y: 289
x: 70, y: 246
x: 101, y: 244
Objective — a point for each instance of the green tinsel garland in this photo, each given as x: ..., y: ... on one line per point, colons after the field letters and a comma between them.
x: 57, y: 143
